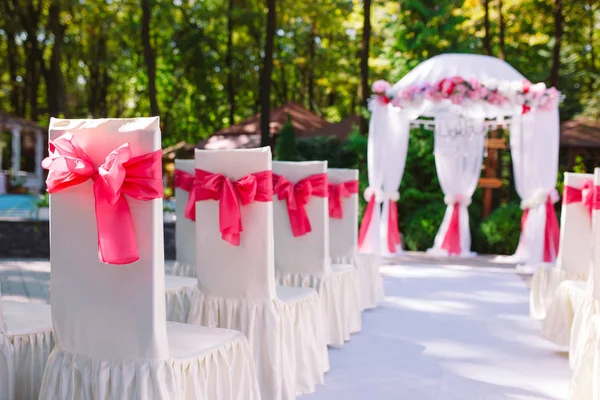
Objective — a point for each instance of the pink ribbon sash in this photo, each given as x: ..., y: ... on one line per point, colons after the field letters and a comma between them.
x: 393, y: 236
x: 297, y: 196
x: 185, y: 181
x: 121, y: 174
x: 366, y: 221
x: 551, y: 231
x: 393, y: 232
x: 337, y: 191
x: 230, y: 194
x: 596, y: 198
x: 451, y: 241
x: 584, y: 195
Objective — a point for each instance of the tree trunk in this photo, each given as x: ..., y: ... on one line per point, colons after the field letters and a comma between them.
x: 53, y: 76
x: 265, y: 77
x: 364, y: 63
x: 558, y: 31
x: 229, y: 62
x: 487, y: 47
x: 149, y: 56
x: 502, y: 53
x: 311, y: 70
x: 13, y: 67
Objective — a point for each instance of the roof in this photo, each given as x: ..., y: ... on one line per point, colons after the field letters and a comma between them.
x: 340, y: 130
x: 302, y: 119
x: 8, y: 121
x: 580, y: 132
x: 178, y: 150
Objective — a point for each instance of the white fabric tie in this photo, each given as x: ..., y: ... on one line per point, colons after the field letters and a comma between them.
x: 451, y: 199
x: 380, y: 195
x: 539, y: 197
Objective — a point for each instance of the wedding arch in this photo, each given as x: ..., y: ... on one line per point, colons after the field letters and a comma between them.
x: 460, y: 97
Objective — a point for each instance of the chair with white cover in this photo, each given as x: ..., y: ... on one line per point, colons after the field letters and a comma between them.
x: 302, y: 254
x: 182, y: 287
x: 185, y: 228
x: 558, y: 289
x: 234, y: 244
x: 343, y: 235
x: 107, y: 277
x: 585, y: 342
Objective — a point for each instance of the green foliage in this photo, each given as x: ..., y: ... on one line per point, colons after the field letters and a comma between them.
x: 286, y: 143
x: 43, y: 200
x: 499, y: 232
x: 421, y: 226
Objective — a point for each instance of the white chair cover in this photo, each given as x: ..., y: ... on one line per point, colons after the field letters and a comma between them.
x: 574, y: 253
x: 7, y: 368
x: 238, y: 289
x: 185, y: 229
x: 112, y: 338
x: 585, y: 343
x: 343, y: 235
x: 181, y: 288
x: 305, y: 261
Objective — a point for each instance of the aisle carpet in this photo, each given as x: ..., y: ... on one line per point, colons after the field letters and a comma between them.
x: 447, y: 333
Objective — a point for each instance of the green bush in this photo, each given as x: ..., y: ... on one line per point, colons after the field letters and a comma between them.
x: 286, y: 144
x: 499, y: 232
x: 422, y: 225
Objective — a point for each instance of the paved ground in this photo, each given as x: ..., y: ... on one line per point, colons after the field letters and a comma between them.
x: 448, y: 330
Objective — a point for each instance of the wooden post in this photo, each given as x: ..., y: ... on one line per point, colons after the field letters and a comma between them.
x: 490, y: 181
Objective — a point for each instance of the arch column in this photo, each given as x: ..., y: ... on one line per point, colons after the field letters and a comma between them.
x: 39, y: 155
x: 16, y: 149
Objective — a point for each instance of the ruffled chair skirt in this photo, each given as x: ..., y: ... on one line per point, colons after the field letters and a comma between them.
x: 289, y: 348
x: 7, y: 369
x: 180, y: 293
x: 584, y: 314
x: 183, y: 269
x: 340, y: 296
x: 29, y: 330
x: 585, y: 379
x: 205, y: 364
x: 370, y: 280
x: 544, y: 283
x: 568, y: 297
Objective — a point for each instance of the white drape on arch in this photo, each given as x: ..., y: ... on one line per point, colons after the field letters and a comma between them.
x: 458, y: 160
x: 389, y: 130
x: 534, y: 144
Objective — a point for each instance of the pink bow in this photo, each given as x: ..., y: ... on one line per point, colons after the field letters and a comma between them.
x: 551, y: 231
x: 185, y: 181
x: 297, y: 196
x: 336, y: 192
x: 584, y: 195
x: 250, y: 188
x: 121, y: 174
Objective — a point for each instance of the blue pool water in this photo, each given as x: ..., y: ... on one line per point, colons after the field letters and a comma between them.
x: 16, y: 205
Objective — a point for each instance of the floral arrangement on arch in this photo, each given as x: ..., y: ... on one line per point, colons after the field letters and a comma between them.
x: 462, y: 91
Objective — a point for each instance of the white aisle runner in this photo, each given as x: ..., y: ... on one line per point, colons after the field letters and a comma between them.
x: 447, y: 333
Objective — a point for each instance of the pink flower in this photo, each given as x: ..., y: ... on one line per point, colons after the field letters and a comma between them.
x: 475, y: 84
x: 457, y: 80
x: 380, y: 86
x: 446, y: 87
x: 456, y: 98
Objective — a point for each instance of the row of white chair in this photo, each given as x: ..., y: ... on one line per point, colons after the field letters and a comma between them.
x: 566, y: 295
x: 109, y: 320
